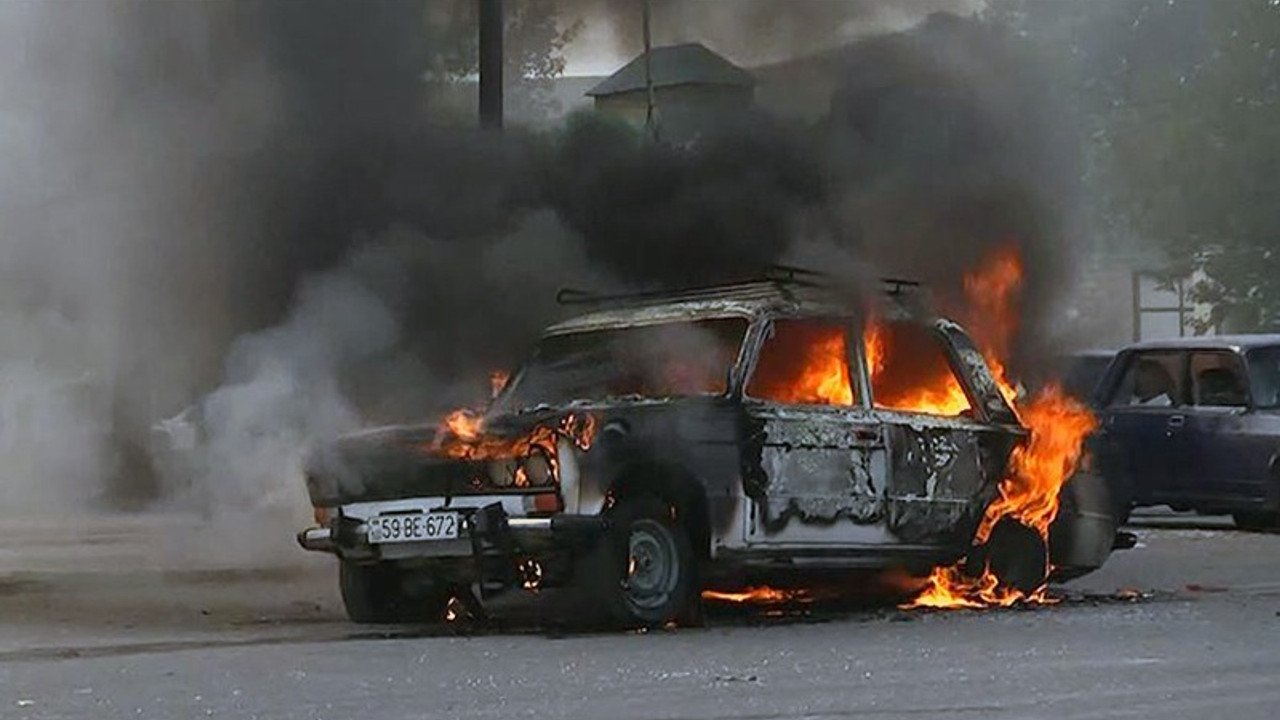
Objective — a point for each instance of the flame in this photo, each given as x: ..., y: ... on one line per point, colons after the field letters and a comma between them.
x: 498, y: 380
x: 950, y: 588
x: 463, y: 436
x: 762, y: 595
x: 1057, y: 425
x: 910, y: 372
x: 925, y: 385
x: 828, y: 380
x: 464, y: 425
x: 821, y: 375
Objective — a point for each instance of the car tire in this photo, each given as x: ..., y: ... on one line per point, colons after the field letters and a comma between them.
x: 645, y: 572
x: 375, y: 594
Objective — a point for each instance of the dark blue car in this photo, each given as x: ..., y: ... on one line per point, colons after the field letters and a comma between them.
x: 1194, y: 423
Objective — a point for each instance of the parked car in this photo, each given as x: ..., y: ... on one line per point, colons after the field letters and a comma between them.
x: 1194, y: 423
x: 659, y: 444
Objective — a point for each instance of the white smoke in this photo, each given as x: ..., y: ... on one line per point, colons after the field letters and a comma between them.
x: 114, y: 280
x: 282, y: 393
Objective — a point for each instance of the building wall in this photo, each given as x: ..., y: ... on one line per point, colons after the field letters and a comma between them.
x: 683, y: 111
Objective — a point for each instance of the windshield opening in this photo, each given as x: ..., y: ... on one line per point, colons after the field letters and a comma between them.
x: 655, y: 361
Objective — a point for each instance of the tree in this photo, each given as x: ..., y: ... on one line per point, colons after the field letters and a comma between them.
x: 534, y: 42
x: 1176, y: 107
x: 1200, y: 144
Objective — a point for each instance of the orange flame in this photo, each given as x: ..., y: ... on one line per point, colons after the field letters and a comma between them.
x: 920, y: 379
x: 464, y: 425
x: 762, y: 595
x: 1057, y: 424
x: 498, y: 380
x: 820, y: 377
x: 925, y: 386
x: 462, y: 436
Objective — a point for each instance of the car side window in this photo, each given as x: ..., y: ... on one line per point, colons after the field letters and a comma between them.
x: 1152, y: 379
x: 911, y: 372
x: 1217, y: 380
x: 805, y: 362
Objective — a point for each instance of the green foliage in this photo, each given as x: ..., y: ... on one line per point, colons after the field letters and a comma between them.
x: 1177, y: 104
x: 534, y: 42
x: 1201, y: 149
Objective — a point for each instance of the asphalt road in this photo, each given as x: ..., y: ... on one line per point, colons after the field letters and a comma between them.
x: 1186, y: 625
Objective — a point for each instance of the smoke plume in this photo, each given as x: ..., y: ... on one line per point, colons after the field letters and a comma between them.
x: 235, y: 208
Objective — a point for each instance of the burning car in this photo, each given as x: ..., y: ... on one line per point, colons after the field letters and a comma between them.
x: 660, y: 444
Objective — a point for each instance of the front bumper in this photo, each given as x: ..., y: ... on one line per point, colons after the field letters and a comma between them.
x: 317, y: 539
x: 482, y: 529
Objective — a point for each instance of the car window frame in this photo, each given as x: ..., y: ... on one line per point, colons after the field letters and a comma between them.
x: 734, y: 376
x: 1245, y: 357
x: 855, y: 356
x: 1241, y: 369
x: 1116, y: 382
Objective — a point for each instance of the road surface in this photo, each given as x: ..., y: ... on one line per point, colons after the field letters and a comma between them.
x: 1186, y: 625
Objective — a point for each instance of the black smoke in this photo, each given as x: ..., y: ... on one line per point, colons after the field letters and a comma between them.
x: 935, y: 151
x: 287, y: 140
x: 938, y: 149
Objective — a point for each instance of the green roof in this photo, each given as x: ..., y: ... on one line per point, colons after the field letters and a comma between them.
x: 689, y: 64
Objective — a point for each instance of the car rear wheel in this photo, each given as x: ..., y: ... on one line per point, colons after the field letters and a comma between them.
x: 647, y: 571
x: 376, y: 594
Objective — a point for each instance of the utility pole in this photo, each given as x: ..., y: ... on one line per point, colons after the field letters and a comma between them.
x: 650, y: 121
x: 490, y: 50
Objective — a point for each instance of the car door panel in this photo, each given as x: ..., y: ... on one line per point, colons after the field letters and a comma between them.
x: 1141, y: 443
x: 823, y: 478
x: 1225, y: 461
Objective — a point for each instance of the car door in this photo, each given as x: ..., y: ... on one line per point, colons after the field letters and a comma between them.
x: 815, y: 453
x: 1139, y: 443
x: 950, y: 429
x: 1228, y: 456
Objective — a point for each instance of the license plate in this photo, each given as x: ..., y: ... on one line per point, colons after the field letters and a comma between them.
x: 414, y: 527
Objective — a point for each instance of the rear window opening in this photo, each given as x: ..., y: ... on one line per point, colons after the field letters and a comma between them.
x: 910, y: 371
x: 805, y: 362
x: 1151, y: 380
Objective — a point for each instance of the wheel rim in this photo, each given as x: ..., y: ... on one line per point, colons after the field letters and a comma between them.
x: 653, y: 565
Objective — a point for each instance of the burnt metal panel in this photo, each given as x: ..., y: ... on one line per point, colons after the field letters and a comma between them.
x: 815, y: 466
x: 939, y: 484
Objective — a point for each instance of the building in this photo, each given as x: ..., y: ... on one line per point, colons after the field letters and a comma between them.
x: 692, y: 88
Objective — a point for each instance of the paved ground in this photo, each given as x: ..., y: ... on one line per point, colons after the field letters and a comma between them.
x: 1186, y: 625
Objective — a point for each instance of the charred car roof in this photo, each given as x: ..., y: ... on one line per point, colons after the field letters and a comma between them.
x: 745, y: 300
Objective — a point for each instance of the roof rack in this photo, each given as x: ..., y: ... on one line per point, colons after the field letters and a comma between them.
x: 777, y: 275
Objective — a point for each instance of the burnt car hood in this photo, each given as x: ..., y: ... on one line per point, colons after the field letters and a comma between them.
x: 397, y: 461
x: 381, y: 464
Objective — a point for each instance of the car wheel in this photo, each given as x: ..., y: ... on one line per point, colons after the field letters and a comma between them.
x: 1255, y: 521
x: 647, y: 575
x: 1016, y: 555
x: 376, y: 594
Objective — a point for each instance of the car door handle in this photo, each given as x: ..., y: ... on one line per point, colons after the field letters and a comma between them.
x: 867, y: 434
x: 1177, y: 421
